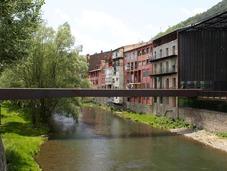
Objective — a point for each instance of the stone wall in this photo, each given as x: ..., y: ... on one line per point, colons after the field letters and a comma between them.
x: 139, y: 108
x: 2, y: 157
x: 203, y: 119
x: 208, y: 120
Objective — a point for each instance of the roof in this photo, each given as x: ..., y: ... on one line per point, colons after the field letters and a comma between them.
x: 216, y: 22
x: 165, y: 38
x: 130, y: 47
x: 95, y: 59
x: 141, y: 46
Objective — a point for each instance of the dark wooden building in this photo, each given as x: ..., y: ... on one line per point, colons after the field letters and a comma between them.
x: 203, y: 54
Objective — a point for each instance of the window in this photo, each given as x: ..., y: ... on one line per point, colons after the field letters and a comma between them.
x: 160, y: 67
x: 160, y: 80
x: 155, y: 68
x: 136, y: 65
x: 174, y: 68
x: 167, y: 66
x: 128, y: 66
x: 161, y: 100
x: 147, y: 50
x: 174, y: 50
x: 174, y: 83
x: 155, y: 99
x: 167, y: 51
x: 155, y: 55
x: 155, y: 83
x: 167, y: 83
x: 160, y: 53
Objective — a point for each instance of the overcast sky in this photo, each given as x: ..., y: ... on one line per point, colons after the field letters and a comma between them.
x: 107, y: 24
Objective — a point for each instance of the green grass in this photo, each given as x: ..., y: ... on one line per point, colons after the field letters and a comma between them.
x: 21, y: 140
x: 222, y: 134
x: 153, y: 120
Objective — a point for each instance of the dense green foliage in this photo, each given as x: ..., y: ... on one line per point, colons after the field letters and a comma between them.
x: 20, y: 138
x: 217, y: 9
x: 153, y: 120
x: 33, y: 55
x: 222, y: 134
x: 52, y: 62
x: 18, y: 22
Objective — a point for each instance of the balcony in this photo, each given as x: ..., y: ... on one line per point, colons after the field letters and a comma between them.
x: 163, y: 58
x: 163, y: 73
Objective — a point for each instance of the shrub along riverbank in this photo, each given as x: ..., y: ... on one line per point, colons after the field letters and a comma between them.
x: 149, y: 119
x: 21, y: 140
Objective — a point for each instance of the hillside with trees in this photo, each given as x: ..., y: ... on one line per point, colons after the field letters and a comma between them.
x: 217, y: 9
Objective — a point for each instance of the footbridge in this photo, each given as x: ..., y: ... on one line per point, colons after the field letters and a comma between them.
x: 38, y: 93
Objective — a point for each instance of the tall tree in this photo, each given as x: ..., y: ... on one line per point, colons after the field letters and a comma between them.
x: 18, y: 22
x: 52, y: 62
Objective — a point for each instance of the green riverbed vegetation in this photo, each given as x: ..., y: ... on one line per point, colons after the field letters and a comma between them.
x: 149, y: 119
x: 21, y: 139
x: 153, y: 120
x: 222, y: 134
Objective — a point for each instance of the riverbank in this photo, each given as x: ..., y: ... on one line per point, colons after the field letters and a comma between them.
x: 21, y: 140
x: 152, y: 120
x: 204, y: 137
x: 214, y: 140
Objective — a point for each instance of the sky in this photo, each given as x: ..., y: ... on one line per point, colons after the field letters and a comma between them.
x: 108, y: 24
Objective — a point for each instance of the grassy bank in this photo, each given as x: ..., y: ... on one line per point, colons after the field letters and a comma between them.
x: 149, y: 119
x: 222, y: 134
x: 153, y: 120
x: 21, y: 140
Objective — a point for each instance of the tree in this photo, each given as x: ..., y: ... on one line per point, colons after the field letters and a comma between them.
x: 18, y: 22
x: 52, y: 62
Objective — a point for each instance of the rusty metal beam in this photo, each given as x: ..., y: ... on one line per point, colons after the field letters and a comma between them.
x: 37, y: 93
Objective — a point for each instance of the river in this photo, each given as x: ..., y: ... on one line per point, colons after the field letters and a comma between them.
x: 104, y: 142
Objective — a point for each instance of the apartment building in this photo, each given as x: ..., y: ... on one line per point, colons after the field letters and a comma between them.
x: 164, y: 73
x: 137, y: 69
x: 97, y: 65
x: 118, y: 69
x: 118, y: 74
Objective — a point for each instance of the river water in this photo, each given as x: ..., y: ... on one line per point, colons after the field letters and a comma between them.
x: 103, y: 142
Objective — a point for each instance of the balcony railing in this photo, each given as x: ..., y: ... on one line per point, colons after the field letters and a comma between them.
x: 153, y: 59
x: 162, y: 73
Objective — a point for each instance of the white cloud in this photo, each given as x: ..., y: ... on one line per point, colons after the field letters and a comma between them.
x: 97, y: 30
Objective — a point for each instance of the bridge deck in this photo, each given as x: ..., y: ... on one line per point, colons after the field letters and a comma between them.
x: 37, y: 93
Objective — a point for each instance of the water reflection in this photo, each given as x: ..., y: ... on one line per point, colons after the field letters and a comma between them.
x: 102, y: 141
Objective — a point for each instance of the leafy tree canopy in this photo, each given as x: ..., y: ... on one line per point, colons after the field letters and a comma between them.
x: 18, y: 22
x: 52, y: 62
